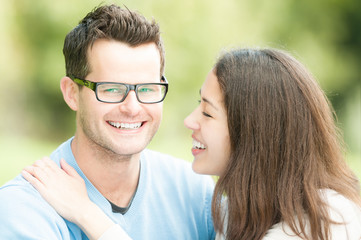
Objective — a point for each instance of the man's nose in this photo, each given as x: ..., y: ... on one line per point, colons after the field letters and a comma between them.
x: 130, y: 104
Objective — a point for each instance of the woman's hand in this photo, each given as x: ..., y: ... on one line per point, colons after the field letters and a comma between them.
x: 65, y: 190
x: 62, y: 188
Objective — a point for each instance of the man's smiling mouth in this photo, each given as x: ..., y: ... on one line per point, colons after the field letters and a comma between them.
x: 125, y: 126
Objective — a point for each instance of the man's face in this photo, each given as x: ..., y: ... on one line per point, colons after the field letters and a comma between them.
x: 124, y: 128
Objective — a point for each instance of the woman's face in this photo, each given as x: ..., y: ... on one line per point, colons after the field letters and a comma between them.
x: 211, y: 142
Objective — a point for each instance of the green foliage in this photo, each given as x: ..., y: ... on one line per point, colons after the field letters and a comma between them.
x: 323, y: 34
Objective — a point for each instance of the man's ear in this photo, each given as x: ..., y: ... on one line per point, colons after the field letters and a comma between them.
x: 70, y: 92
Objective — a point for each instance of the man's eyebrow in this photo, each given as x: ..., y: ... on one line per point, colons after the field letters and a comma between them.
x: 207, y: 101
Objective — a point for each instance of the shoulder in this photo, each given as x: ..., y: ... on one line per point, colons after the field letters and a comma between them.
x: 342, y: 210
x: 23, y: 210
x: 338, y: 202
x: 18, y: 194
x: 280, y: 231
x: 346, y: 212
x: 63, y: 151
x: 18, y: 187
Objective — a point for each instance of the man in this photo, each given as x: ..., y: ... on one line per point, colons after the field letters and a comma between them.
x: 114, y: 66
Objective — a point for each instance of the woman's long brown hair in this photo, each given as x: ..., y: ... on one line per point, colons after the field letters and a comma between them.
x: 285, y: 147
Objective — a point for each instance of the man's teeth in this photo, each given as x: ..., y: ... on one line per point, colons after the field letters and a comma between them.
x: 198, y: 145
x: 125, y: 125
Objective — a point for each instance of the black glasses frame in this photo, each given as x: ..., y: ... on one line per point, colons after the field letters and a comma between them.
x: 94, y: 85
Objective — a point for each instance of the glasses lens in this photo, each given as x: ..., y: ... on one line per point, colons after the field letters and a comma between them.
x: 150, y: 93
x: 111, y: 92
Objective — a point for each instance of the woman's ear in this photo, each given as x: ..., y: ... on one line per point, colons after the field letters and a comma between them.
x: 70, y: 92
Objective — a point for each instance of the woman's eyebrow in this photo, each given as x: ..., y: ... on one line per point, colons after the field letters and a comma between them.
x: 208, y: 101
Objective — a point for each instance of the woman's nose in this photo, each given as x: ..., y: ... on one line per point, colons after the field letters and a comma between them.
x: 191, y: 120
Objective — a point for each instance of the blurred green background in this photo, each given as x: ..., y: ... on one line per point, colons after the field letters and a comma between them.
x: 324, y: 34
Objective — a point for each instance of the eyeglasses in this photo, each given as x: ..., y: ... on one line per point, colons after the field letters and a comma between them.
x: 111, y: 92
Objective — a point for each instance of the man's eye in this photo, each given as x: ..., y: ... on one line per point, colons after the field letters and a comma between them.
x: 144, y: 90
x: 112, y: 90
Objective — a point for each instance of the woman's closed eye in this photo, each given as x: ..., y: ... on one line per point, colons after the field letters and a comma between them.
x: 203, y: 112
x: 206, y: 114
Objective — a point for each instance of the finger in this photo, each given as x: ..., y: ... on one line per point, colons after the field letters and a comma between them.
x: 32, y: 180
x: 40, y: 163
x: 48, y: 166
x: 69, y: 169
x: 36, y: 172
x: 49, y: 163
x: 45, y: 162
x: 38, y: 185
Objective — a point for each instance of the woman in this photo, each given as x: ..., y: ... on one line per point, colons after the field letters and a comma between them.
x: 266, y: 129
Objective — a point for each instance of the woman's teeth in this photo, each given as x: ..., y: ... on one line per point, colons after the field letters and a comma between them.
x: 125, y: 125
x: 198, y: 145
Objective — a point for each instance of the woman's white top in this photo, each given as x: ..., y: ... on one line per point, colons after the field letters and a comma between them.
x: 341, y: 210
x: 114, y: 233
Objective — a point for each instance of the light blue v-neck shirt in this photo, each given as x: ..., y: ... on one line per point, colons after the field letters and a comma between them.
x: 172, y: 202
